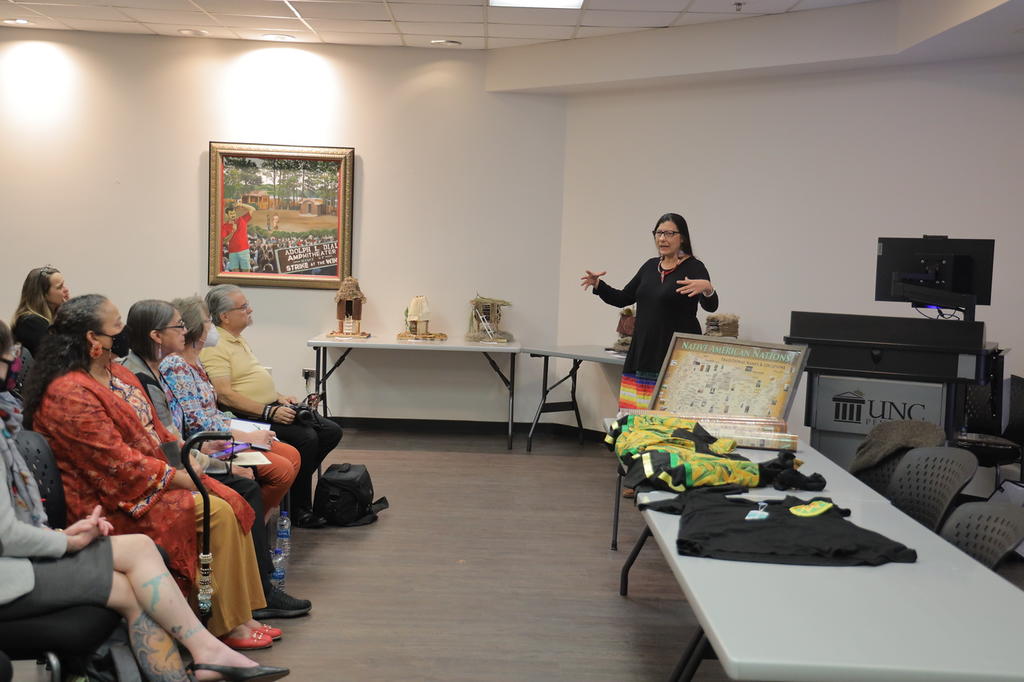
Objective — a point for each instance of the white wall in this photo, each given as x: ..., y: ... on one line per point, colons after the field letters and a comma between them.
x: 457, y: 191
x: 787, y: 183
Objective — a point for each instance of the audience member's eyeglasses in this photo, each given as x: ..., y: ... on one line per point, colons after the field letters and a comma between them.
x: 244, y: 306
x: 665, y: 234
x: 180, y: 325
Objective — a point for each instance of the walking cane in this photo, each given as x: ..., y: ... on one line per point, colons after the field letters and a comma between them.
x: 205, y: 556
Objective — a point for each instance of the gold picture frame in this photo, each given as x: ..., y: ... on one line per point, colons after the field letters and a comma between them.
x: 280, y: 216
x: 713, y: 375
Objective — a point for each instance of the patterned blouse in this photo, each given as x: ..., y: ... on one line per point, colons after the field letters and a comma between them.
x: 137, y: 401
x: 193, y: 392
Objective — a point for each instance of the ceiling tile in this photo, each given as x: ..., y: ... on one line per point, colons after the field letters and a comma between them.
x: 707, y: 18
x: 275, y: 23
x: 439, y: 30
x: 594, y: 31
x: 344, y: 26
x: 818, y: 4
x: 649, y: 5
x: 157, y: 16
x: 416, y: 12
x: 252, y: 8
x: 468, y: 43
x: 300, y: 36
x: 530, y: 31
x: 360, y: 38
x: 524, y: 15
x: 37, y: 21
x: 749, y: 7
x: 498, y: 43
x: 172, y: 30
x: 362, y: 11
x: 635, y: 19
x: 107, y: 26
x: 175, y: 5
x: 78, y: 12
x: 478, y: 3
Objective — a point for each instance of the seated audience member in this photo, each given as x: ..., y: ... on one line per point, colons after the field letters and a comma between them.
x: 155, y: 331
x: 42, y: 293
x: 43, y: 570
x: 191, y: 389
x: 245, y: 387
x: 107, y: 442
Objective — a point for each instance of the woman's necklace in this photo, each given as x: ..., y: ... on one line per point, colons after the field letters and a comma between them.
x: 663, y: 271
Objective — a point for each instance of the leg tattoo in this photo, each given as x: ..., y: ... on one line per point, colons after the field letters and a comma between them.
x: 155, y: 651
x: 155, y: 584
x: 176, y: 631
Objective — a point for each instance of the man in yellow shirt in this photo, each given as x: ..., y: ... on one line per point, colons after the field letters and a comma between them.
x: 245, y: 387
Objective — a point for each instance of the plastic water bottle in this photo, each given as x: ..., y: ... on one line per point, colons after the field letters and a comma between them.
x: 284, y: 535
x: 277, y: 576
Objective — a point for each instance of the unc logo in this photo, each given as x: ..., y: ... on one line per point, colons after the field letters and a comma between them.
x: 848, y: 407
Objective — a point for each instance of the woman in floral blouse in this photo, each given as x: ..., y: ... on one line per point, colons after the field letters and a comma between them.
x: 192, y: 391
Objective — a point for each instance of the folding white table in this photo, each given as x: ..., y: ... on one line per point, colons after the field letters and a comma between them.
x: 323, y: 343
x: 578, y: 355
x: 944, y: 618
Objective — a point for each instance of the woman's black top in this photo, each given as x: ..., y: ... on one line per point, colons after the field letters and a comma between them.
x: 660, y: 311
x: 30, y: 330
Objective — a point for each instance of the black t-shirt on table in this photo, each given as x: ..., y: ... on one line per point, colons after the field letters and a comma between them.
x: 660, y: 311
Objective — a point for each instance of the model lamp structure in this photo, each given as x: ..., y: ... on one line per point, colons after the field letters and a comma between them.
x: 485, y: 321
x: 417, y: 322
x: 350, y: 300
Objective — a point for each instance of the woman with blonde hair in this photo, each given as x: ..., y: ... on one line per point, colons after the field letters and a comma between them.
x: 42, y: 293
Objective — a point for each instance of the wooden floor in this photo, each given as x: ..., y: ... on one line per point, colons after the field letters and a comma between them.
x: 490, y: 565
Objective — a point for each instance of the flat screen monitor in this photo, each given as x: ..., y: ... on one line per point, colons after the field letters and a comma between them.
x: 935, y: 271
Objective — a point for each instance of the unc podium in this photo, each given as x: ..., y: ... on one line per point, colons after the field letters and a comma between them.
x: 866, y: 369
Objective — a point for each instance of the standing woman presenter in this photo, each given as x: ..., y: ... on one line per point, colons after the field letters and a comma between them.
x: 666, y: 290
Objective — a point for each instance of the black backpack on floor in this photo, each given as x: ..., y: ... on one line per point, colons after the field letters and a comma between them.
x: 344, y: 496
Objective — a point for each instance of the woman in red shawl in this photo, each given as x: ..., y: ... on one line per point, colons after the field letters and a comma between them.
x: 100, y: 425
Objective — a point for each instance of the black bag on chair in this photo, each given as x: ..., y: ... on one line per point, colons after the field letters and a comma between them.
x: 344, y: 496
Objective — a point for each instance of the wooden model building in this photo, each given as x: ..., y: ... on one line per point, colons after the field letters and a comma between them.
x: 417, y: 322
x: 350, y: 302
x: 625, y: 327
x: 722, y: 324
x: 485, y: 321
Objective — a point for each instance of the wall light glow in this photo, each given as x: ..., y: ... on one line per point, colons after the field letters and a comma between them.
x: 287, y: 95
x: 38, y: 82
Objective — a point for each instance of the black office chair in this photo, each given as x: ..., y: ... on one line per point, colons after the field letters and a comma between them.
x: 988, y: 531
x: 985, y: 436
x: 880, y: 476
x: 70, y: 633
x: 927, y: 480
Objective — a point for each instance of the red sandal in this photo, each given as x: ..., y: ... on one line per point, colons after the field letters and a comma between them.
x: 257, y: 639
x: 271, y: 631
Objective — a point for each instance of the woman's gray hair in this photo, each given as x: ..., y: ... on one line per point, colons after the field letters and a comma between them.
x: 193, y: 316
x: 218, y: 300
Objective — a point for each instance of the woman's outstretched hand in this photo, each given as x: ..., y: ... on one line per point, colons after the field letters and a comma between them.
x: 693, y: 287
x: 592, y: 278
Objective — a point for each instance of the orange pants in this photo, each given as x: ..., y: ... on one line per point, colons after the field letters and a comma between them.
x: 276, y: 478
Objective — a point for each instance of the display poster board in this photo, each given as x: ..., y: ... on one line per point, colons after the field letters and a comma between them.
x: 704, y: 375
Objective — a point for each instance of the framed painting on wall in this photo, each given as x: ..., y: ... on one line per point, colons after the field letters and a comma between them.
x: 280, y: 216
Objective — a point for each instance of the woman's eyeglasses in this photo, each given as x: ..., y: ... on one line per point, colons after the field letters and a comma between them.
x: 180, y: 325
x: 665, y: 234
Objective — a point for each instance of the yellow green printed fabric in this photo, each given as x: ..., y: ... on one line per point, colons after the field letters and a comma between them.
x: 672, y: 453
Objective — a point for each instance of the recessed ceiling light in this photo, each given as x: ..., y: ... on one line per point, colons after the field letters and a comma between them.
x: 17, y: 22
x: 279, y: 37
x: 547, y: 4
x: 446, y: 43
x: 192, y: 32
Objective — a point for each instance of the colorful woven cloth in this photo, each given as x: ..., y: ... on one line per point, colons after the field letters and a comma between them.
x: 636, y: 390
x: 674, y: 454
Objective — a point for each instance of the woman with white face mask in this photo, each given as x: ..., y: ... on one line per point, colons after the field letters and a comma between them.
x: 192, y: 390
